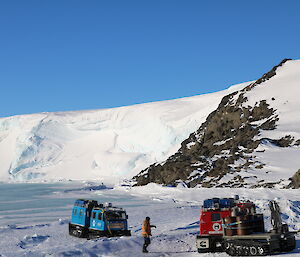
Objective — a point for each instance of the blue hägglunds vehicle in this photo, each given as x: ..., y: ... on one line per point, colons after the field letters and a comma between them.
x: 92, y: 219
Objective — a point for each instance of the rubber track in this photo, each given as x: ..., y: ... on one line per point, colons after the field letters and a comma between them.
x: 246, y: 248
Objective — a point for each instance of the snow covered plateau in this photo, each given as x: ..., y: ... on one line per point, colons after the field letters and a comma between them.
x: 107, y: 145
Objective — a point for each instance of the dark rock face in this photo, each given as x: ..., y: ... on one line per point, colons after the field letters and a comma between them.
x: 295, y: 180
x: 285, y: 141
x: 228, y: 135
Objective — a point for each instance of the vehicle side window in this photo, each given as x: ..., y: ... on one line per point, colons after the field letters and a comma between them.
x: 94, y: 215
x: 80, y: 212
x: 75, y: 211
x: 99, y: 216
x: 215, y: 217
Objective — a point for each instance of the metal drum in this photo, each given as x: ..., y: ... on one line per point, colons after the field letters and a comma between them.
x: 230, y: 226
x: 259, y: 225
x: 245, y: 225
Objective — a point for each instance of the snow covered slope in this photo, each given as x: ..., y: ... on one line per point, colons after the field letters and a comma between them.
x: 107, y: 145
x: 252, y: 139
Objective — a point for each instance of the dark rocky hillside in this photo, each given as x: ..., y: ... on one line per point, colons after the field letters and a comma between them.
x: 295, y: 180
x: 224, y: 144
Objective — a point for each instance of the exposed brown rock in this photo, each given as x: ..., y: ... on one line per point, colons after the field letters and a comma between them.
x: 295, y: 180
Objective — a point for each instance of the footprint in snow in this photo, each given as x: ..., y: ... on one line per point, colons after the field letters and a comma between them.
x: 31, y: 241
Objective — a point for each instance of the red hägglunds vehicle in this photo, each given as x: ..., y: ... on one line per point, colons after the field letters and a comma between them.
x: 233, y: 226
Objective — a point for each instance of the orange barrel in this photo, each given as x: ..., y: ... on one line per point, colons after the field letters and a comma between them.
x: 259, y: 223
x: 230, y: 226
x: 244, y: 225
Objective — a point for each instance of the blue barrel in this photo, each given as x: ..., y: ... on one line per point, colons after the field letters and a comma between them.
x: 226, y: 203
x: 208, y: 203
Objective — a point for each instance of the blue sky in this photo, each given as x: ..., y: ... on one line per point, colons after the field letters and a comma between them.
x: 59, y: 55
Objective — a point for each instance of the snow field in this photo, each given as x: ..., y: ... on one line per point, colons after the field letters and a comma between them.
x: 175, y: 212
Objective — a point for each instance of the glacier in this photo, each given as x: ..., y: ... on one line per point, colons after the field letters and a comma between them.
x: 106, y: 145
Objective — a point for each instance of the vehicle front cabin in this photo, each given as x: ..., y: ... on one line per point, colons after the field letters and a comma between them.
x: 102, y: 219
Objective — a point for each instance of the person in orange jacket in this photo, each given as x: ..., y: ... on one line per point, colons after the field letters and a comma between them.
x: 146, y: 233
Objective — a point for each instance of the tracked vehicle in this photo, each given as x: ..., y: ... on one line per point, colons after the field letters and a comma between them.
x: 233, y: 226
x: 91, y: 219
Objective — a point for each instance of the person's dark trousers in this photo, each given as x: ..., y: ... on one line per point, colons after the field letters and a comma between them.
x: 146, y: 243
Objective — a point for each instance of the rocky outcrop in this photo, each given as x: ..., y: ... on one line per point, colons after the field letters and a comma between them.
x: 295, y: 180
x: 271, y: 73
x: 222, y: 145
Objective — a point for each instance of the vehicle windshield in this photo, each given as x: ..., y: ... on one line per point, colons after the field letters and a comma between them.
x: 115, y: 215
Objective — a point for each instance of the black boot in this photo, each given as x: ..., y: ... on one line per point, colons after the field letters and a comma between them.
x: 145, y: 249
